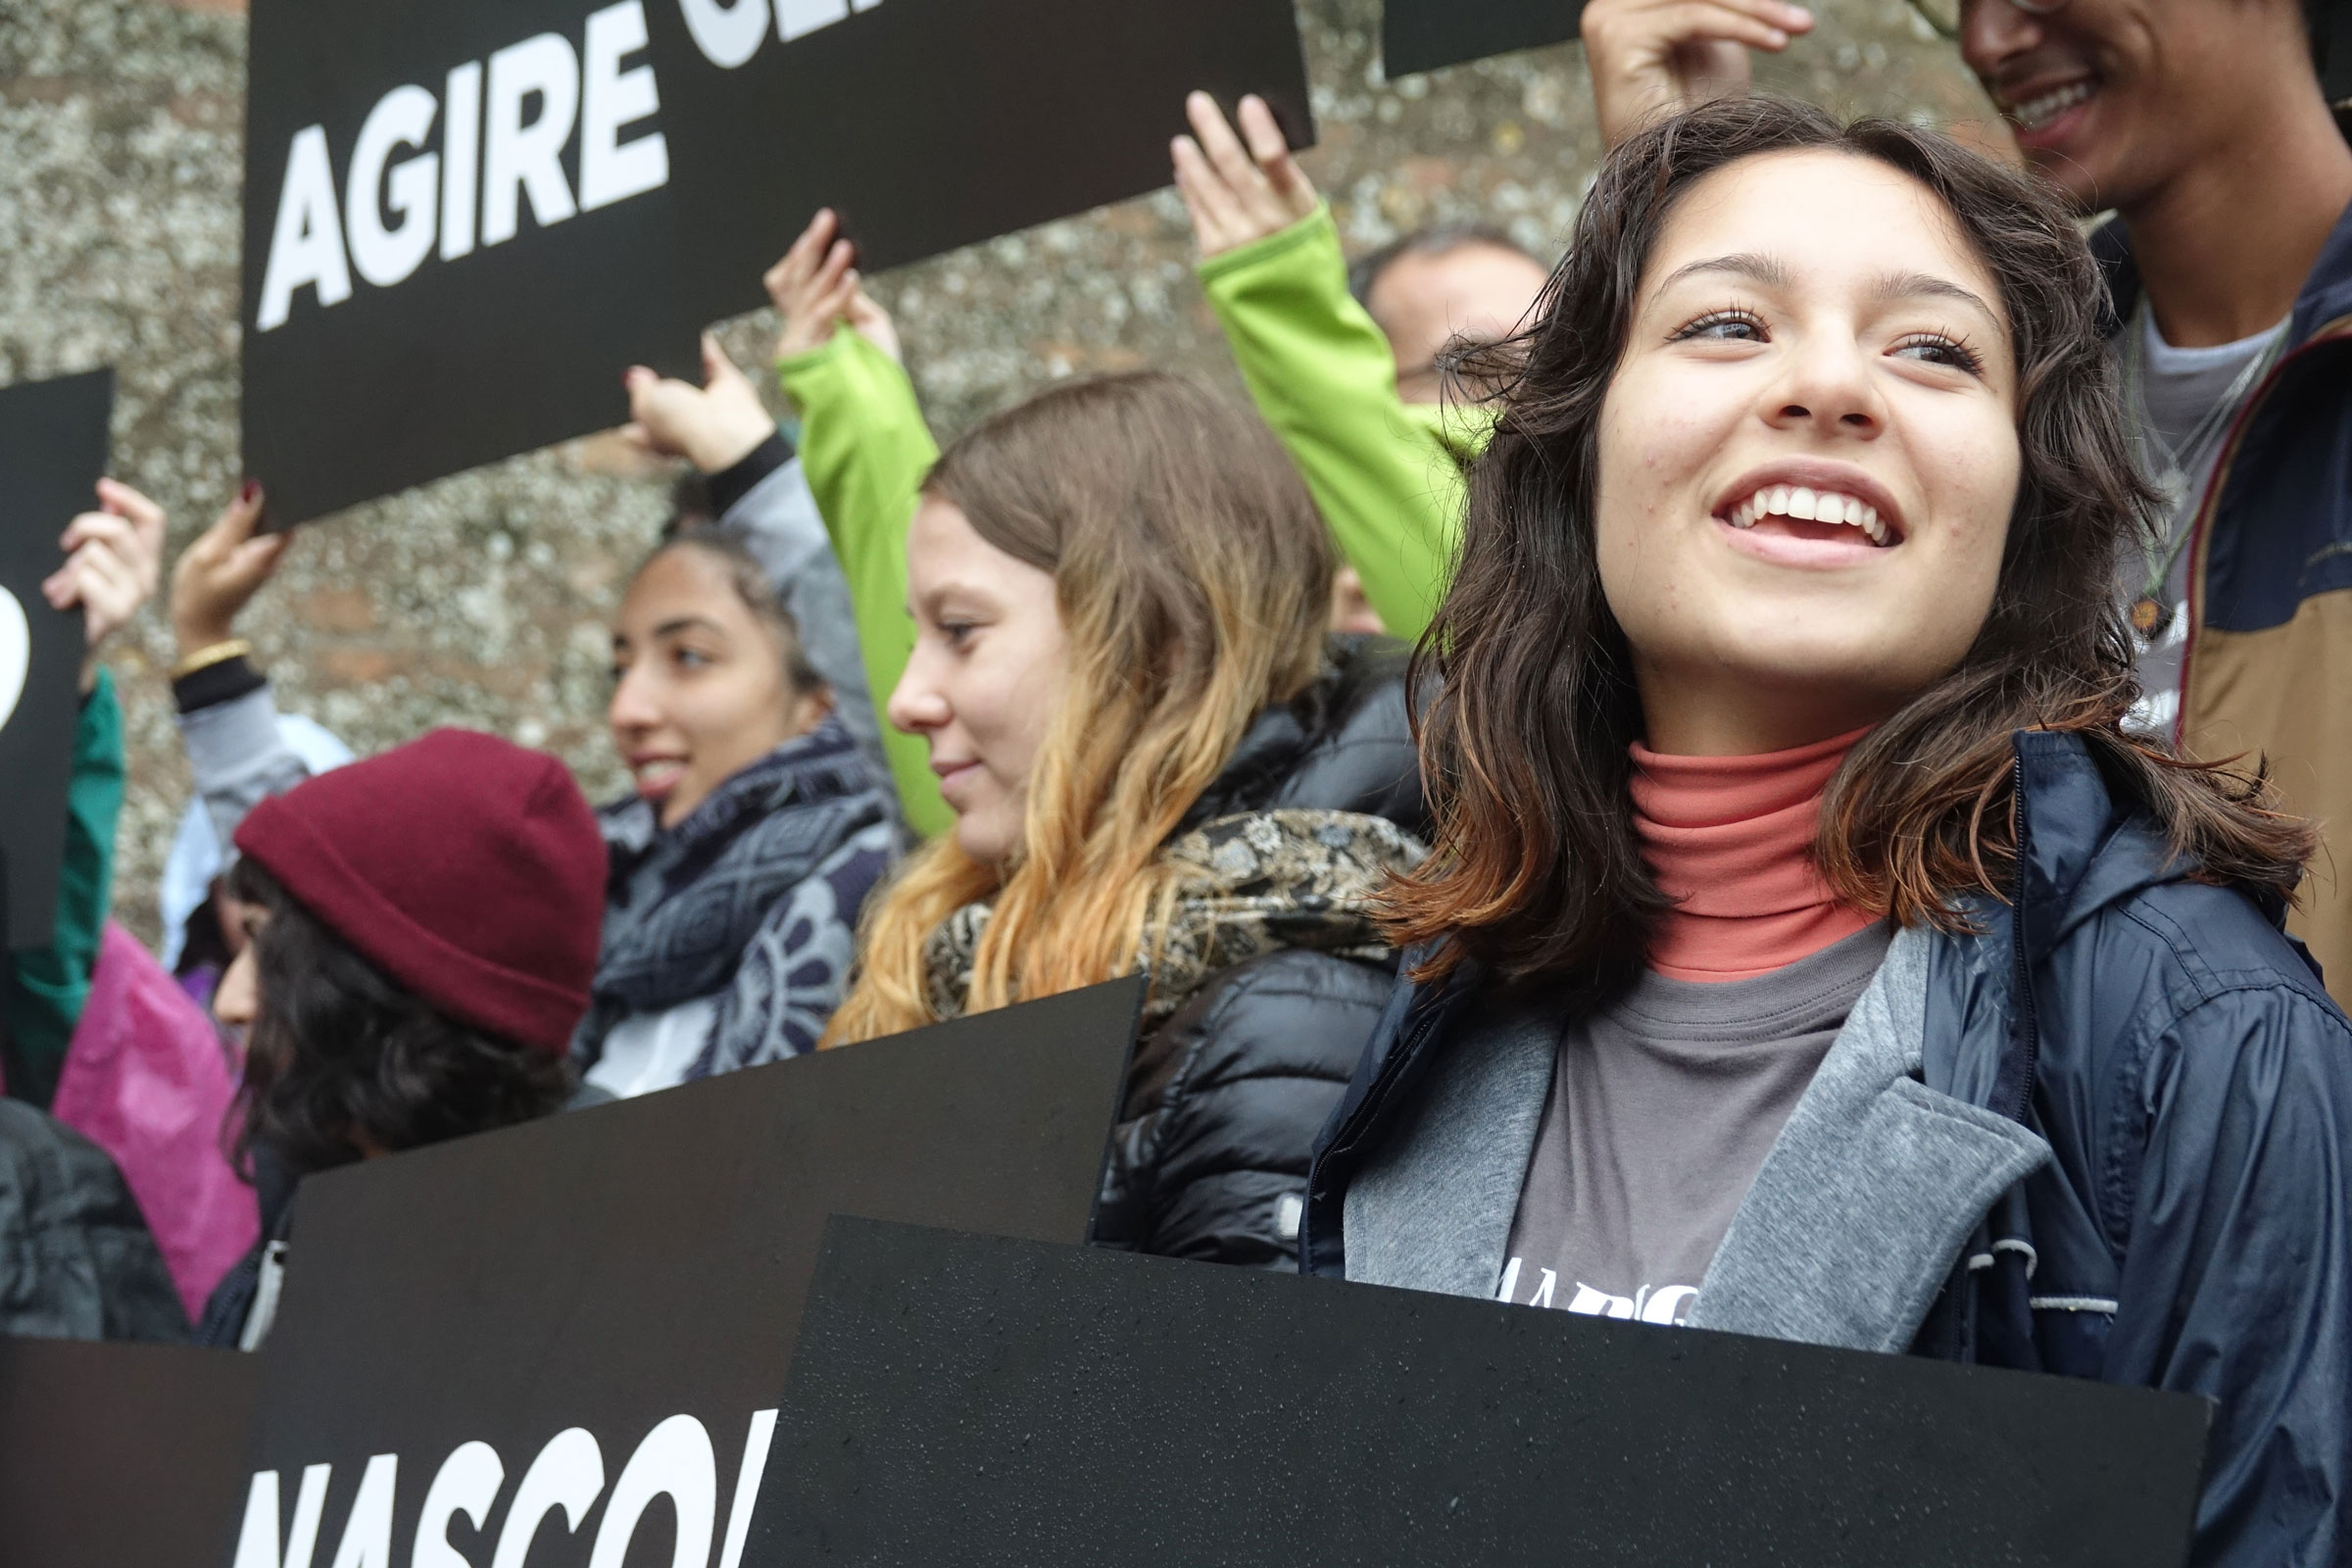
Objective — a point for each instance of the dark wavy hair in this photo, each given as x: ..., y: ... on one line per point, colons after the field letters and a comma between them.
x: 341, y: 1062
x: 1525, y: 745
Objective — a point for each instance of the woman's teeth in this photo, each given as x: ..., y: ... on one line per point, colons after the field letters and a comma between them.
x: 1810, y: 505
x: 2035, y: 113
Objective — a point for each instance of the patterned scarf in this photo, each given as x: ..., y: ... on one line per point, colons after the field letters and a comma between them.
x: 1257, y: 883
x: 685, y: 908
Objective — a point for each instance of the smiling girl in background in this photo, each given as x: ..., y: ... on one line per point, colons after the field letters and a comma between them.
x: 1805, y: 949
x: 755, y: 832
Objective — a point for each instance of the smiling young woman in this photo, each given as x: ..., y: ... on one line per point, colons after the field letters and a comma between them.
x: 1805, y: 949
x: 755, y: 830
x: 1158, y: 760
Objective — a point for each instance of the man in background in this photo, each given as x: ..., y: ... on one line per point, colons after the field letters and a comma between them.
x: 2201, y: 124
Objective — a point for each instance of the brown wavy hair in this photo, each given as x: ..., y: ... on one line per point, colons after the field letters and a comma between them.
x: 1193, y: 577
x: 1525, y: 745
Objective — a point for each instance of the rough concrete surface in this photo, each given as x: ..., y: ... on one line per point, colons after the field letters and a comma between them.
x: 482, y: 600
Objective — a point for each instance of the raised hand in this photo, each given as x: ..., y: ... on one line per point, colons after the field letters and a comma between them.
x: 1652, y: 58
x: 714, y: 426
x: 816, y: 287
x: 219, y: 574
x: 1238, y: 188
x: 113, y: 558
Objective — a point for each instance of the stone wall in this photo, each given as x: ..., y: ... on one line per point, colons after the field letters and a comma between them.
x: 481, y: 599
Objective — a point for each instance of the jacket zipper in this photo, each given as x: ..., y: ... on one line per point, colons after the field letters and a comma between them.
x: 2028, y: 1016
x: 1381, y: 1087
x: 2328, y: 332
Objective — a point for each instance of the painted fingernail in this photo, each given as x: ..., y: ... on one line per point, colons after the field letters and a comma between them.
x: 253, y: 487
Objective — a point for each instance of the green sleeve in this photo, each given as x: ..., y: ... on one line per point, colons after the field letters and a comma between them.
x: 48, y: 985
x: 1386, y: 473
x: 866, y: 451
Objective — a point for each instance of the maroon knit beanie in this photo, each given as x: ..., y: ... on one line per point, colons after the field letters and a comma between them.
x: 467, y: 870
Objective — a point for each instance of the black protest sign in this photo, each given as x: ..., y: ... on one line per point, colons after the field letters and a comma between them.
x: 458, y: 235
x: 1425, y: 34
x: 932, y: 123
x: 119, y: 1455
x: 967, y: 1399
x: 573, y: 1332
x: 53, y: 445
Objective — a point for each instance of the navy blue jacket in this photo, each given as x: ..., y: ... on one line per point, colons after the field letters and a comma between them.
x: 2195, y: 1228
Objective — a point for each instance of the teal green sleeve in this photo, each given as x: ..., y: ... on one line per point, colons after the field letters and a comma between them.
x: 49, y: 985
x: 865, y: 450
x: 1386, y: 473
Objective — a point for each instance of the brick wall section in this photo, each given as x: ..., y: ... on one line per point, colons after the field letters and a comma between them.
x: 481, y: 599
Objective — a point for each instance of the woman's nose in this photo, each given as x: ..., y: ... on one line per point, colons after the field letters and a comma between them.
x: 234, y: 998
x: 1829, y: 387
x: 632, y: 707
x: 916, y: 703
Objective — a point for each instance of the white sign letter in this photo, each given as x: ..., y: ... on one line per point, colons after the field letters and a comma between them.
x: 747, y: 1487
x: 567, y: 1474
x: 517, y: 157
x: 384, y: 256
x: 367, y: 1534
x: 257, y: 1539
x: 460, y: 148
x: 675, y: 1457
x: 468, y: 1482
x: 16, y: 656
x: 611, y: 98
x: 727, y: 33
x: 307, y: 246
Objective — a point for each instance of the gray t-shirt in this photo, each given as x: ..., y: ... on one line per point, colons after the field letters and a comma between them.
x: 1662, y: 1109
x: 2179, y: 389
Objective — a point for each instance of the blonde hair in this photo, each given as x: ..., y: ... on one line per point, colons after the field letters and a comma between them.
x: 1193, y: 578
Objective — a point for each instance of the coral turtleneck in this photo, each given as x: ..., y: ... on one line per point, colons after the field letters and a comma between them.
x: 1730, y: 840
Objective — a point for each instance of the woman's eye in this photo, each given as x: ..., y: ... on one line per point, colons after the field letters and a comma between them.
x: 1722, y: 326
x: 956, y: 632
x: 691, y: 659
x: 1933, y: 348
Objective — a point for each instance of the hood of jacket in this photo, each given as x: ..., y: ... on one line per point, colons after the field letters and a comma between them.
x: 1255, y: 883
x: 1345, y: 744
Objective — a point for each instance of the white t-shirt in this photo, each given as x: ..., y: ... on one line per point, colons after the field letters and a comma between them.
x: 2179, y: 388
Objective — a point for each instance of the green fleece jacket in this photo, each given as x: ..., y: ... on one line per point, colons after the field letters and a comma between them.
x: 47, y: 986
x: 1386, y: 473
x: 865, y: 450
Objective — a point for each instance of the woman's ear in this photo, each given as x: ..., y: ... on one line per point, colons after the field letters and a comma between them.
x: 810, y: 708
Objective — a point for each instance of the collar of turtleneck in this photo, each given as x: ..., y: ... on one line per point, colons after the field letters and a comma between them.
x: 1730, y: 840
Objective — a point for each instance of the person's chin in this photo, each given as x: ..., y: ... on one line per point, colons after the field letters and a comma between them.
x: 986, y: 835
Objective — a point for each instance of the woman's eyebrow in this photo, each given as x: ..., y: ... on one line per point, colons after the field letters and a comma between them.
x: 1762, y: 270
x: 1893, y: 287
x: 680, y: 624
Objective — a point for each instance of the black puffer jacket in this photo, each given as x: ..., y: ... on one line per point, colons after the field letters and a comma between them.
x: 1224, y: 1100
x: 77, y: 1260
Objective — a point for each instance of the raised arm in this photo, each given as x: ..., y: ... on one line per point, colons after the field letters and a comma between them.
x: 227, y: 713
x: 114, y: 558
x: 1385, y: 473
x: 865, y: 451
x: 760, y: 493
